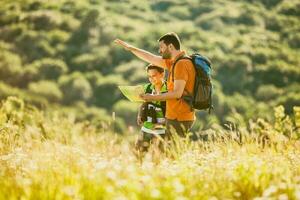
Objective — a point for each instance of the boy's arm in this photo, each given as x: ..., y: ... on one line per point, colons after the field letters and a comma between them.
x: 139, y: 117
x: 142, y: 54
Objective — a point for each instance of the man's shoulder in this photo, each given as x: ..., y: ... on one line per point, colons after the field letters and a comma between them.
x: 185, y: 62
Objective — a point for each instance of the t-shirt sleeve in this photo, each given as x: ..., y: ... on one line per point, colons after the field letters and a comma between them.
x: 180, y: 72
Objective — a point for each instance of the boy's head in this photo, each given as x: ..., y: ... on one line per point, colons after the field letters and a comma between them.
x: 155, y: 74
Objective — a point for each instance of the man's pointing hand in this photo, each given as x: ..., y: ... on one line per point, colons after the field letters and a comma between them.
x: 123, y: 44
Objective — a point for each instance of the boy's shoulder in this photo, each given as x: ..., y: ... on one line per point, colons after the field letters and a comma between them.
x: 148, y: 88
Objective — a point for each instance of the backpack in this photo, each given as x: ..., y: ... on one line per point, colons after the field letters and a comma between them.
x: 202, y: 94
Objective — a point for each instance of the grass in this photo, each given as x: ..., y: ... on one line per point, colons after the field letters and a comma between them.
x: 53, y: 157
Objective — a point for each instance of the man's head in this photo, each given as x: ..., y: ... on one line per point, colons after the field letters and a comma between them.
x: 168, y: 44
x: 155, y: 74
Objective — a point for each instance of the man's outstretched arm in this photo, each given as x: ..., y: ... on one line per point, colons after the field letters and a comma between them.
x: 142, y: 54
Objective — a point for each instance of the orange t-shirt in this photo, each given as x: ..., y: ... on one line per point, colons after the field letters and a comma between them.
x: 177, y: 108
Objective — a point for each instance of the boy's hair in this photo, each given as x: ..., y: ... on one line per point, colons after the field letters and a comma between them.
x: 151, y: 66
x: 171, y: 38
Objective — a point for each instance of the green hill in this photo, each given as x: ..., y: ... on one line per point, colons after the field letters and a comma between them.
x: 60, y: 54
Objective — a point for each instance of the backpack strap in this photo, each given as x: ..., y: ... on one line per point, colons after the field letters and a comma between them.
x: 174, y: 64
x: 189, y: 97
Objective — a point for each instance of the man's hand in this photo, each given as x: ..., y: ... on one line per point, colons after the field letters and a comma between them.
x: 142, y: 54
x: 148, y: 97
x: 125, y: 45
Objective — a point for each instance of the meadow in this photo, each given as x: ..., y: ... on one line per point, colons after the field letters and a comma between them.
x: 67, y: 132
x: 47, y: 155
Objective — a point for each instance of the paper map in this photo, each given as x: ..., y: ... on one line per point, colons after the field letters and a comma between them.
x: 132, y: 92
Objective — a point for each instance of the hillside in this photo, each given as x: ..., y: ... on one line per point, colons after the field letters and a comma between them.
x: 60, y: 54
x: 51, y: 156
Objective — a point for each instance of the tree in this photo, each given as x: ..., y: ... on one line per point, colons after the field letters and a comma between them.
x: 75, y: 87
x: 51, y: 69
x: 47, y: 89
x: 10, y: 67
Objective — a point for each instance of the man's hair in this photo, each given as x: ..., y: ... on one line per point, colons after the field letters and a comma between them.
x: 171, y: 38
x: 151, y: 66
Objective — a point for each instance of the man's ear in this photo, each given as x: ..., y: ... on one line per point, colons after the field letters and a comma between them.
x: 171, y: 47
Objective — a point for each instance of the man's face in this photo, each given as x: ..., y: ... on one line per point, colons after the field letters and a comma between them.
x: 155, y: 77
x: 164, y: 50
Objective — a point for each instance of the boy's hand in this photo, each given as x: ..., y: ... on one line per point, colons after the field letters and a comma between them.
x: 139, y: 120
x: 125, y: 45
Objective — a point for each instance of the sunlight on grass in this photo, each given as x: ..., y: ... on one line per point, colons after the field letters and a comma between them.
x: 68, y: 160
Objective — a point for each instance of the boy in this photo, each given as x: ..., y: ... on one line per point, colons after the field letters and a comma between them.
x: 151, y: 115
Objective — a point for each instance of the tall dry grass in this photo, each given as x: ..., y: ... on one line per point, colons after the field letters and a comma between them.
x: 49, y: 156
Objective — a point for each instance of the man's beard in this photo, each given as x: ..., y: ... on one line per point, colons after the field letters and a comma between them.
x: 166, y: 54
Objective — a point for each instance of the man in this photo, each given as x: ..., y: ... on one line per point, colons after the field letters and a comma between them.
x: 179, y: 115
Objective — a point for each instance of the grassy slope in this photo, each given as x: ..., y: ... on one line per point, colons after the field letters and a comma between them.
x: 52, y: 157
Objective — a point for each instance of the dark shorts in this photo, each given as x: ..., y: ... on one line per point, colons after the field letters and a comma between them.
x: 181, y: 128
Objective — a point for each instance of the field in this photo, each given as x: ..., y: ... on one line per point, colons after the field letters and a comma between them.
x: 67, y: 132
x: 49, y: 156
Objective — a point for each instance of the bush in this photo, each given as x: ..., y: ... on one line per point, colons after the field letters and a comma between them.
x: 268, y: 93
x: 249, y: 18
x: 106, y: 93
x: 50, y: 68
x: 132, y: 71
x: 233, y: 74
x: 180, y: 12
x: 294, y: 40
x: 274, y: 23
x: 99, y: 59
x: 289, y: 101
x: 33, y: 45
x: 47, y: 89
x: 93, y: 77
x: 44, y: 20
x: 75, y: 87
x: 11, y: 32
x: 161, y: 6
x: 211, y: 24
x: 7, y: 90
x: 267, y: 3
x: 127, y: 111
x: 10, y: 68
x: 291, y: 8
x: 57, y: 37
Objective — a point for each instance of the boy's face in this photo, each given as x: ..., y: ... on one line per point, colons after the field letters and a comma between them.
x: 155, y: 77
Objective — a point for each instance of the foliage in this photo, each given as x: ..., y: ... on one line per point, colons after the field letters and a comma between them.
x: 254, y: 46
x: 76, y: 87
x: 48, y: 89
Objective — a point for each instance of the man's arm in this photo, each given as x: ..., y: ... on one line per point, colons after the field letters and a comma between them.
x: 142, y: 54
x: 175, y: 94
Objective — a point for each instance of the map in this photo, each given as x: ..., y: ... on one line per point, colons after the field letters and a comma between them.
x: 133, y: 92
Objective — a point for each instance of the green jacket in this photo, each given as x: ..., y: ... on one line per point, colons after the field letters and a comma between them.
x: 149, y: 126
